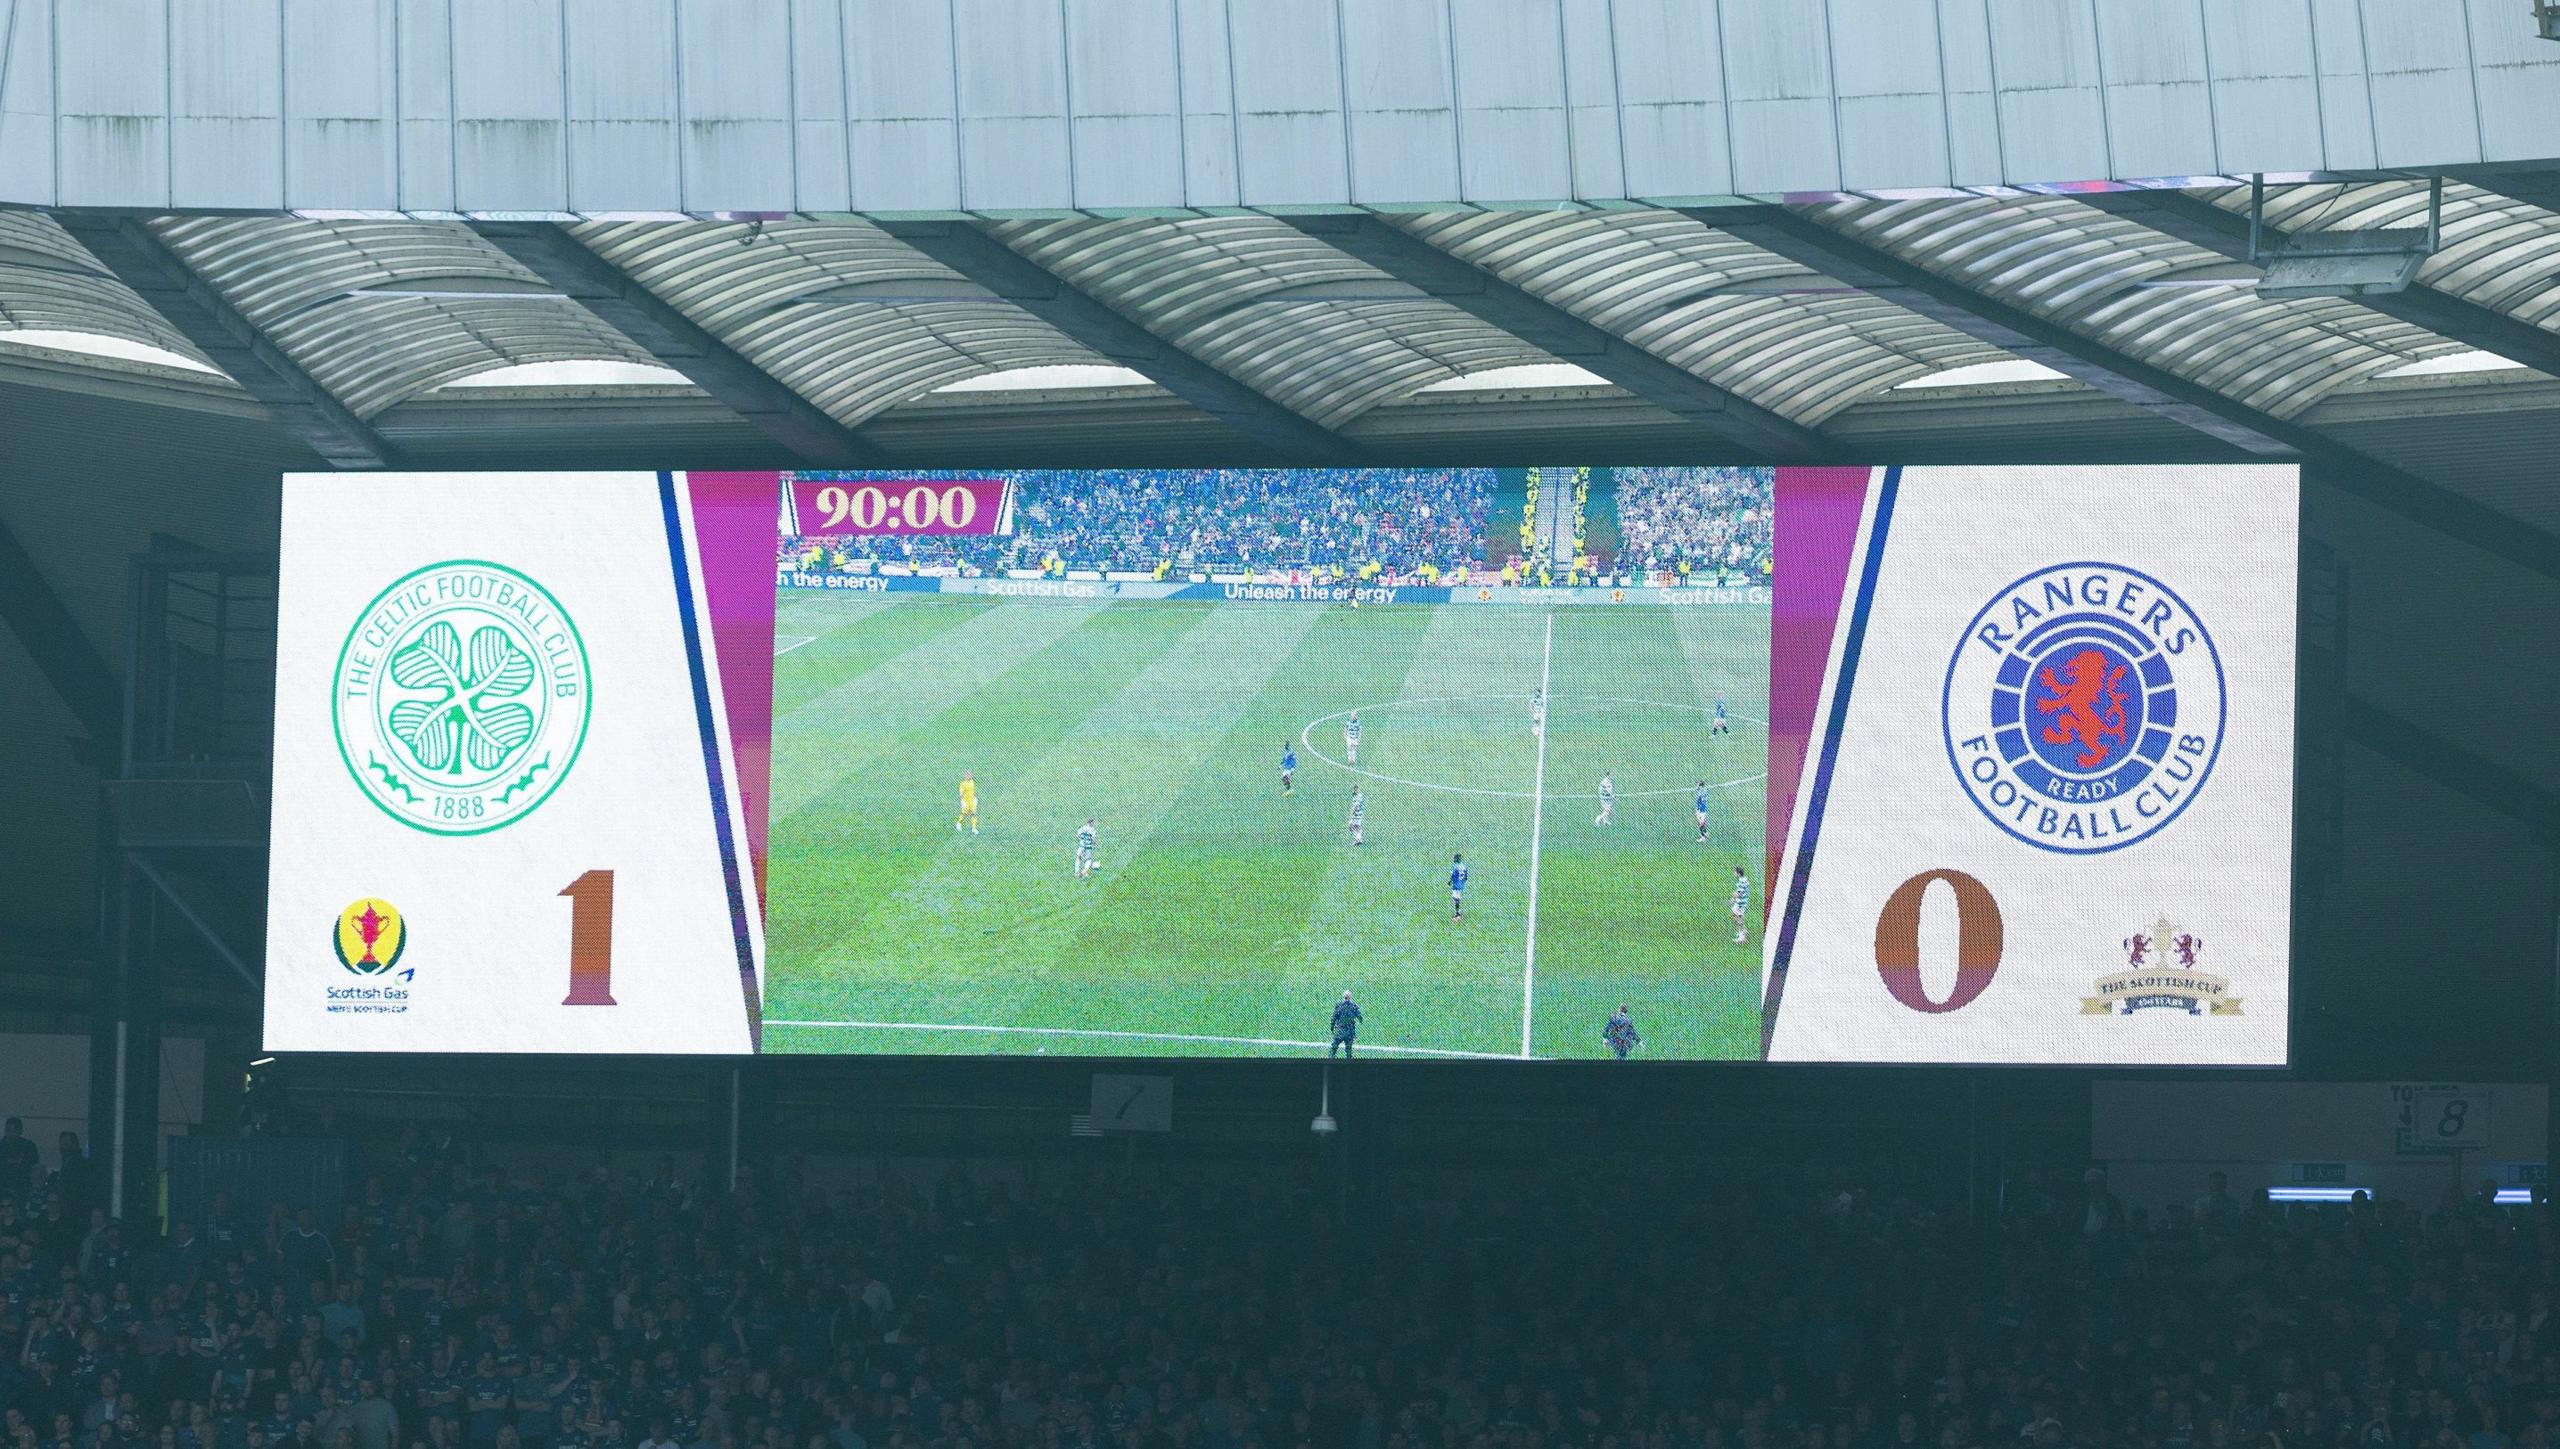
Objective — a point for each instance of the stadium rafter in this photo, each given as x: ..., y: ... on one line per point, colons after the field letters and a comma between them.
x: 1088, y: 320
x: 1380, y: 243
x: 1801, y: 238
x: 125, y: 246
x: 2539, y: 189
x: 52, y: 638
x: 662, y: 330
x: 2202, y: 224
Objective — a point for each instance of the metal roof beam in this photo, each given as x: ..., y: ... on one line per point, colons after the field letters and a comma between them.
x: 1985, y: 318
x: 1560, y: 334
x: 660, y: 329
x: 1087, y: 319
x: 52, y: 637
x: 2540, y: 189
x: 2199, y: 223
x: 2482, y: 781
x: 2536, y: 188
x: 2014, y: 330
x: 125, y: 246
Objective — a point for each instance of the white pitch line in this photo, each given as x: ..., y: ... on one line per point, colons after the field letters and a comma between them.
x: 1098, y: 1033
x: 1537, y: 821
x: 796, y: 641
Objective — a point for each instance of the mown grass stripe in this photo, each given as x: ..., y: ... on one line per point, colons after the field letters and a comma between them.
x: 865, y: 712
x: 1016, y: 909
x: 1633, y: 911
x: 1380, y: 924
x: 852, y: 634
x: 860, y: 850
x: 1238, y: 865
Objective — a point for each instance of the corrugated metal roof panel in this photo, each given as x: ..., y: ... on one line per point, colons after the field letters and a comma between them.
x: 1323, y: 335
x: 48, y: 282
x: 802, y: 300
x: 1752, y: 323
x: 381, y: 311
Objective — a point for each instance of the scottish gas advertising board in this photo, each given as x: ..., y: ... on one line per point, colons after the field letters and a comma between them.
x: 1654, y: 764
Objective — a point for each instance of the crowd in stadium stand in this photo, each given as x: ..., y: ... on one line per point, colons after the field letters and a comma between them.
x: 1695, y: 520
x: 1391, y: 520
x: 452, y: 1305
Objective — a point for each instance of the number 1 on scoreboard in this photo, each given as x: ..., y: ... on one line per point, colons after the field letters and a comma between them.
x: 590, y: 939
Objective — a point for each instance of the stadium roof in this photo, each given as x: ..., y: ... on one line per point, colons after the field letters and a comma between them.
x: 2123, y: 323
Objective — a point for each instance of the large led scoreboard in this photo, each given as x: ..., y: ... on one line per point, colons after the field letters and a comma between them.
x: 1893, y: 765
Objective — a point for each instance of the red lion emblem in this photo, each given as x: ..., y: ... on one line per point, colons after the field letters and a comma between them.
x: 2088, y: 710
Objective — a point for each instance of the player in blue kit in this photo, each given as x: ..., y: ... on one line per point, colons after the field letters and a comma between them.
x: 1457, y: 887
x: 1702, y: 812
x: 1620, y: 1034
x: 1346, y: 1026
x: 1722, y: 726
x: 1288, y: 768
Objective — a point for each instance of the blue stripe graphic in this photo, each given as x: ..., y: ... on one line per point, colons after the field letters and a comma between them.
x: 1820, y: 793
x: 713, y: 767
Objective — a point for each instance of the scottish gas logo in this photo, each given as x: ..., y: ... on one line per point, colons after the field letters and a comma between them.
x: 2084, y: 707
x: 461, y: 697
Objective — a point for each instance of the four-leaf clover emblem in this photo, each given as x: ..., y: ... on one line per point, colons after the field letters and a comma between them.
x: 466, y: 713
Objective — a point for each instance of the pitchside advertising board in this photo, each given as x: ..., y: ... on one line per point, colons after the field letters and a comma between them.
x: 1854, y: 765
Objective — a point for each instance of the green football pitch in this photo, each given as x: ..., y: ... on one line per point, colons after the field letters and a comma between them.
x: 1226, y: 918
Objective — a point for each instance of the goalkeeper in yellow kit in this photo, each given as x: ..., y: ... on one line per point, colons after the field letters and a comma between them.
x: 968, y: 804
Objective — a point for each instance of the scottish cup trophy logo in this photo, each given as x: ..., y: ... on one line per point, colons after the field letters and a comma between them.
x: 2163, y: 970
x: 370, y: 936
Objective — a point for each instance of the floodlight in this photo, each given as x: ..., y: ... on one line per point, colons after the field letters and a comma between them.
x: 2339, y: 274
x: 2354, y: 262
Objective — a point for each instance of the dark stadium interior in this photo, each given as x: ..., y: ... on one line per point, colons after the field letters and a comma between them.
x: 206, y: 1246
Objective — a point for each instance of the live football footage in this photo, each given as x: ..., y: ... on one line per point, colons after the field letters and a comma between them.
x: 1143, y: 710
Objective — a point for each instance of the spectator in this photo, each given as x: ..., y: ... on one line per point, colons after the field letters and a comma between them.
x: 342, y: 1317
x: 1691, y: 521
x: 2217, y: 1208
x: 305, y: 1253
x: 75, y: 1178
x: 1359, y: 521
x: 18, y: 1161
x: 1106, y: 1310
x: 372, y: 1422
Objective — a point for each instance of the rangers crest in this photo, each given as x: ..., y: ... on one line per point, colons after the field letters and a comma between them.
x: 2083, y: 707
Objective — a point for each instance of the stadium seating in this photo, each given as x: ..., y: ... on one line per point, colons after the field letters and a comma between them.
x: 456, y: 1306
x: 1397, y: 522
x: 1692, y: 520
x: 1400, y: 520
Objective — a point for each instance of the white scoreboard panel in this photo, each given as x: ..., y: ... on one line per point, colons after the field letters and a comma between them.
x: 2043, y: 806
x: 506, y: 812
